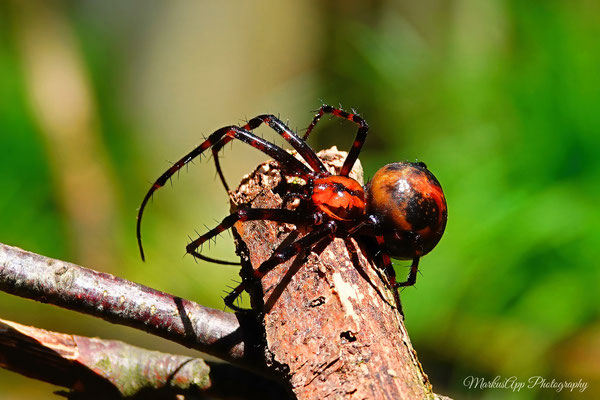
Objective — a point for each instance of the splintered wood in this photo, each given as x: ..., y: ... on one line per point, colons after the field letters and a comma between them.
x: 332, y: 327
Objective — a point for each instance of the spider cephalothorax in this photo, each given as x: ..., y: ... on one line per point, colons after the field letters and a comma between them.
x: 403, y: 207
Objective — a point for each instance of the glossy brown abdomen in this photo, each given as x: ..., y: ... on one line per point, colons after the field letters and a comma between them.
x: 409, y: 203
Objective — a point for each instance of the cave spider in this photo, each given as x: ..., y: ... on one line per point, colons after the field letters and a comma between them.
x: 403, y: 206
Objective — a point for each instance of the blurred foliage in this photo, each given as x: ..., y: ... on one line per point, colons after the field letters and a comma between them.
x: 499, y: 98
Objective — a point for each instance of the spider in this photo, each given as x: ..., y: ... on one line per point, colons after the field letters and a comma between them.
x: 403, y: 206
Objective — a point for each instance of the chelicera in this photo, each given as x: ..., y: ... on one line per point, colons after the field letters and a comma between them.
x: 403, y: 206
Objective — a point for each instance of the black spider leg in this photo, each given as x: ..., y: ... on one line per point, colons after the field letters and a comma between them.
x: 414, y: 267
x: 277, y: 290
x: 388, y: 268
x: 412, y: 275
x: 361, y: 135
x: 247, y: 214
x: 281, y: 256
x: 305, y: 151
x: 290, y: 164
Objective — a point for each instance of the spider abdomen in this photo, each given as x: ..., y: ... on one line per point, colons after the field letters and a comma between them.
x: 339, y: 197
x: 409, y: 203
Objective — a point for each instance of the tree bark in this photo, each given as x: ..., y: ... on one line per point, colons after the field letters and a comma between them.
x: 332, y: 328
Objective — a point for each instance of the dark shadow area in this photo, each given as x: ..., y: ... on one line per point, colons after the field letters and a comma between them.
x: 298, y: 261
x: 230, y: 382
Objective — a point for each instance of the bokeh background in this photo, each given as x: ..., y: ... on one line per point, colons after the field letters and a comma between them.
x: 500, y: 98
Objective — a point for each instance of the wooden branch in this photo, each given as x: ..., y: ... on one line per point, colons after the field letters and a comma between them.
x: 332, y: 328
x: 123, y: 302
x: 99, y: 369
x: 106, y: 368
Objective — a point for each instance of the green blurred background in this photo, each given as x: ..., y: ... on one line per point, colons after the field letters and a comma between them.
x: 500, y: 98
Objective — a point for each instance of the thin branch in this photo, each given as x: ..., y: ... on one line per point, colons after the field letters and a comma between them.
x: 89, y: 365
x: 120, y: 301
x: 100, y: 369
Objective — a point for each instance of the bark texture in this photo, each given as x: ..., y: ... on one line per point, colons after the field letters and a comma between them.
x: 120, y: 301
x: 332, y: 327
x: 94, y: 368
x: 99, y: 368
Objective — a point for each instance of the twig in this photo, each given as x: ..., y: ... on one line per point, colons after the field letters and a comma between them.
x: 123, y: 302
x: 99, y: 369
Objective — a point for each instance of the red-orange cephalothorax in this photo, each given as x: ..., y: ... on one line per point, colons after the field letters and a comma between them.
x: 340, y: 197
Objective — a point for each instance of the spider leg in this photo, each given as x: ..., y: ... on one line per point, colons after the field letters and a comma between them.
x: 412, y: 275
x: 388, y: 268
x: 215, y: 153
x: 281, y: 256
x: 361, y: 135
x: 305, y: 151
x: 248, y: 214
x: 285, y: 159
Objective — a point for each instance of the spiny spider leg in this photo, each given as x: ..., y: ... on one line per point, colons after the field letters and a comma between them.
x: 247, y: 214
x: 288, y: 162
x: 391, y: 273
x: 361, y: 135
x: 280, y: 256
x: 412, y: 275
x: 290, y: 136
x: 388, y: 268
